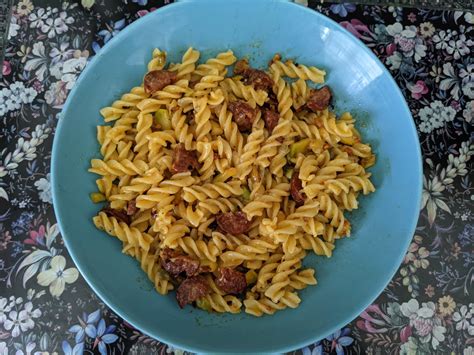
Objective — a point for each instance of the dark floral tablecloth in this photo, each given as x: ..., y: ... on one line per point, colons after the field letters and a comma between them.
x: 47, y: 308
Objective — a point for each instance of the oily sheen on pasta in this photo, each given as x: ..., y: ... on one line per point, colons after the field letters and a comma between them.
x: 220, y: 184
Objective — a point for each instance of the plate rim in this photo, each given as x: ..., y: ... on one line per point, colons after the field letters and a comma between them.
x: 123, y: 312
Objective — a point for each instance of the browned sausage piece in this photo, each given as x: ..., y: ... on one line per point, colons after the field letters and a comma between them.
x: 120, y: 215
x: 271, y: 119
x: 191, y: 290
x: 243, y: 114
x: 295, y: 189
x: 241, y: 66
x: 183, y: 160
x: 259, y: 79
x: 319, y: 99
x: 234, y: 222
x: 230, y: 280
x: 131, y: 207
x: 176, y: 263
x: 156, y: 80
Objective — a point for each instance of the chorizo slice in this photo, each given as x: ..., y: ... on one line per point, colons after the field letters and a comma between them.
x: 230, y: 280
x: 243, y: 114
x: 319, y: 99
x: 118, y: 214
x: 183, y: 160
x: 156, y: 80
x: 176, y: 263
x: 234, y: 222
x: 192, y: 289
x: 271, y: 119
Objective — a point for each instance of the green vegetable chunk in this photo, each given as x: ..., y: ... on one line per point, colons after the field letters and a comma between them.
x: 97, y: 197
x: 162, y: 117
x: 299, y: 147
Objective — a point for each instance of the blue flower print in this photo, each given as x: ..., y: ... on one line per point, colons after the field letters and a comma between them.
x: 317, y: 349
x: 77, y: 350
x: 140, y: 2
x: 113, y: 28
x: 104, y: 336
x: 342, y: 9
x: 340, y: 339
x: 86, y: 326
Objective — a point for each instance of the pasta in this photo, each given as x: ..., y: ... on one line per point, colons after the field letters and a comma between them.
x: 220, y: 185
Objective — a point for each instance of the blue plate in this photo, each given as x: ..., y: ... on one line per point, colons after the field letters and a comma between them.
x: 382, y: 228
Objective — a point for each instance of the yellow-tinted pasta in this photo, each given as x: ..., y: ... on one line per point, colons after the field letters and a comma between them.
x: 177, y: 160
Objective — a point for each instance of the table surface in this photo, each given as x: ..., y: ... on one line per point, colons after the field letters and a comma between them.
x: 427, y: 308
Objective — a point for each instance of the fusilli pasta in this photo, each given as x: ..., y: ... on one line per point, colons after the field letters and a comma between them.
x: 219, y: 185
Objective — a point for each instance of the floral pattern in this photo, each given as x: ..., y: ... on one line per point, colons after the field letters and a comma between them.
x: 46, y: 307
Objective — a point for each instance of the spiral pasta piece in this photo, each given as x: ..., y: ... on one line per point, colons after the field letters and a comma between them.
x: 129, y: 236
x: 246, y: 92
x: 249, y: 153
x: 211, y: 190
x: 291, y: 70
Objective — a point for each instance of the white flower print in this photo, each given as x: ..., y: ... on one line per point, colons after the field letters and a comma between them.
x: 395, y: 60
x: 13, y: 103
x: 56, y: 95
x: 14, y: 96
x: 434, y: 116
x: 3, y: 348
x: 468, y: 90
x: 61, y: 53
x: 56, y: 24
x: 459, y: 47
x: 467, y: 74
x: 451, y: 81
x: 5, y: 94
x: 15, y: 323
x: 462, y: 318
x: 17, y: 87
x: 172, y: 350
x: 469, y: 17
x: 28, y: 313
x: 44, y: 187
x: 38, y: 18
x: 71, y: 70
x: 442, y: 38
x: 394, y: 29
x: 424, y: 321
x: 4, y: 309
x: 468, y: 351
x: 14, y: 27
x: 28, y: 95
x: 57, y: 276
x: 409, y: 348
x: 39, y: 62
x: 56, y: 70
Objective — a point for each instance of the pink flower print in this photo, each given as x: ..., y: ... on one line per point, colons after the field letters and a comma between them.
x: 405, y: 333
x: 411, y: 17
x: 391, y: 48
x: 418, y: 89
x: 144, y: 12
x: 6, y: 68
x: 374, y: 320
x: 406, y: 44
x: 455, y: 105
x: 36, y: 237
x: 423, y: 326
x: 358, y: 29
